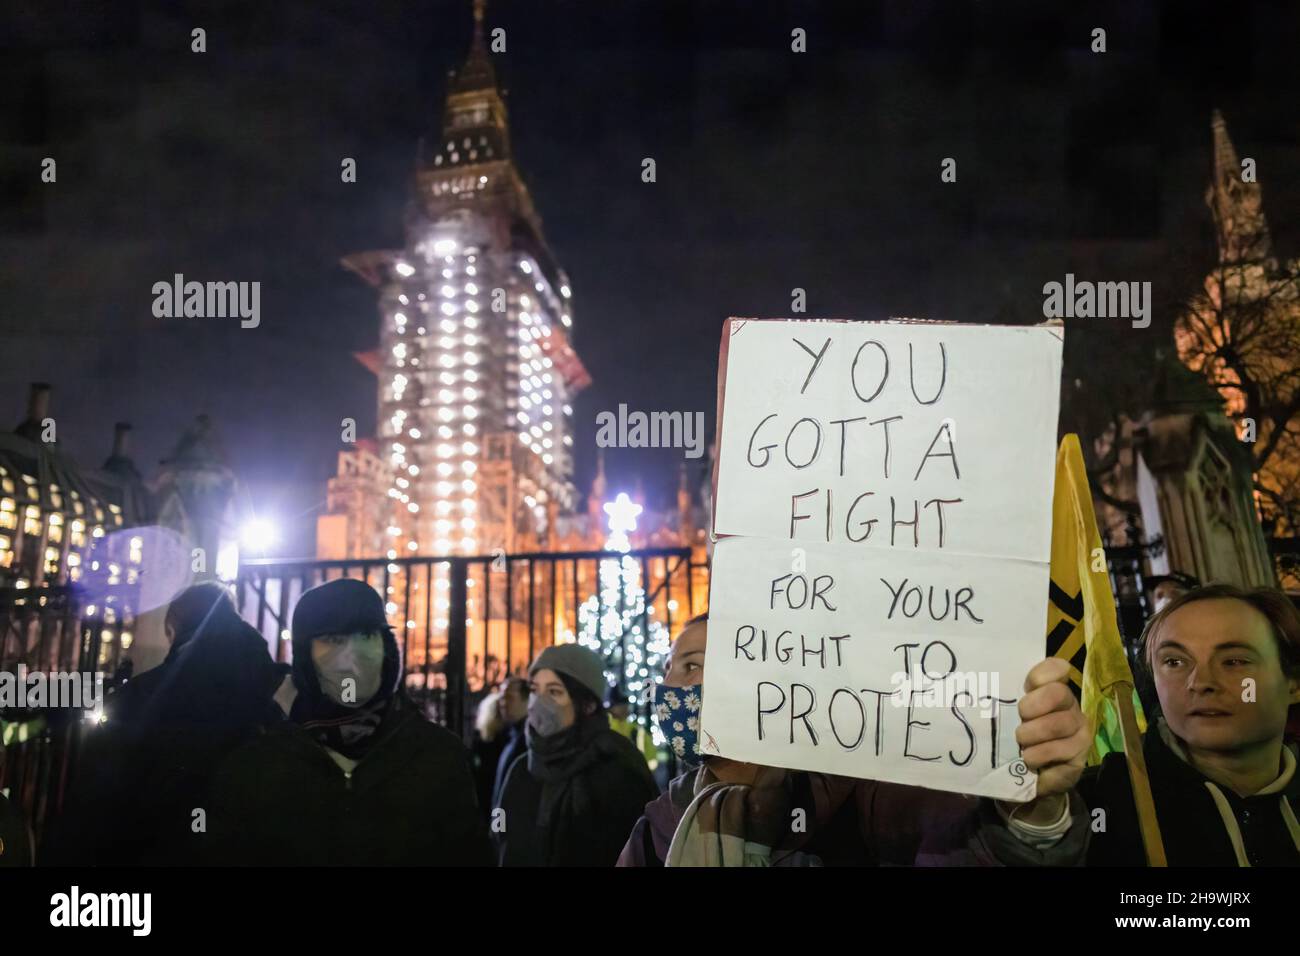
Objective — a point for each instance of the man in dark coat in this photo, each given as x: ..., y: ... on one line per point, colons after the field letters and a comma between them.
x: 141, y: 793
x: 219, y: 694
x: 357, y: 777
x: 189, y: 613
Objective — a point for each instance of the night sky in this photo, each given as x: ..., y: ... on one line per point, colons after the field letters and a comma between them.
x: 775, y: 170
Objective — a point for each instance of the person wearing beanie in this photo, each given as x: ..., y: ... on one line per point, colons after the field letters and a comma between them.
x: 572, y: 798
x: 356, y: 776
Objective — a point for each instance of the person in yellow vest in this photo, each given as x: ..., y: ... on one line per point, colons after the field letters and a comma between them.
x: 620, y: 722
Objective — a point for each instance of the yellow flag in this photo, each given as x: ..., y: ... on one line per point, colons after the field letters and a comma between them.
x: 1082, y: 626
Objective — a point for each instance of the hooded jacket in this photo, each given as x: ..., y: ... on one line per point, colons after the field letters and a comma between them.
x: 1201, y: 822
x: 371, y: 785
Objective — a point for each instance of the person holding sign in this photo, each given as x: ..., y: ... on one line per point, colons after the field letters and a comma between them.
x: 725, y: 812
x: 1225, y: 665
x: 769, y: 794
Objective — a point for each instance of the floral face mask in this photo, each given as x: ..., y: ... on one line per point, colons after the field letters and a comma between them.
x: 677, y: 711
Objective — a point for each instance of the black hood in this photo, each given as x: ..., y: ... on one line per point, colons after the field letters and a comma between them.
x: 342, y: 606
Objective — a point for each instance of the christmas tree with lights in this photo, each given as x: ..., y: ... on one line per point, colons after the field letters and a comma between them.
x: 611, y: 623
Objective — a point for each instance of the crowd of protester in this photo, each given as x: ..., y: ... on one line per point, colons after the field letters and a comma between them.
x: 219, y: 755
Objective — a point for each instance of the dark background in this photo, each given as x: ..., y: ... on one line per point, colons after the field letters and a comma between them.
x: 775, y: 170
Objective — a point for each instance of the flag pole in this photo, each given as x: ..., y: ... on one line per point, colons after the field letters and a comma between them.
x: 1122, y: 697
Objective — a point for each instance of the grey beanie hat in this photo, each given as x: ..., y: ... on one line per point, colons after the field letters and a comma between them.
x: 583, y: 665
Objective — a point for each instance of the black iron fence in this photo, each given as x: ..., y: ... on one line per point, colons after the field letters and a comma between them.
x: 55, y: 631
x: 464, y: 623
x: 1129, y: 567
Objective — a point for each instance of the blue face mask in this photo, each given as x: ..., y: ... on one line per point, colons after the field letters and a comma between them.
x: 677, y: 712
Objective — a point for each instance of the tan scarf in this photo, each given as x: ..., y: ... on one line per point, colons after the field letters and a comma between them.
x: 713, y: 831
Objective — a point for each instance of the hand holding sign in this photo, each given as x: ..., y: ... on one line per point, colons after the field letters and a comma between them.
x: 1053, y: 735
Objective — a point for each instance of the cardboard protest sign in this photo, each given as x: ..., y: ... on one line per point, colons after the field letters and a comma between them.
x: 886, y: 490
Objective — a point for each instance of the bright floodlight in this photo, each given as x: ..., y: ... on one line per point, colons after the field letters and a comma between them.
x: 258, y: 535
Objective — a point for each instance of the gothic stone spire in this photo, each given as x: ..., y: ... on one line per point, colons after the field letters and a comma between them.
x: 1237, y: 206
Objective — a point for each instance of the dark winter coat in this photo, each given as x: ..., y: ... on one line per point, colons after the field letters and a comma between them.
x: 146, y: 772
x: 126, y: 705
x: 593, y: 797
x: 282, y: 800
x: 1201, y: 823
x: 129, y: 704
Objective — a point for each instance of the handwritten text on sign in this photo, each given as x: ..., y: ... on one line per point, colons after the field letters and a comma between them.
x: 885, y: 593
x: 891, y: 435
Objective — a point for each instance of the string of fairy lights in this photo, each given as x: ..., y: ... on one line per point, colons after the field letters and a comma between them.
x: 611, y: 624
x: 447, y: 325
